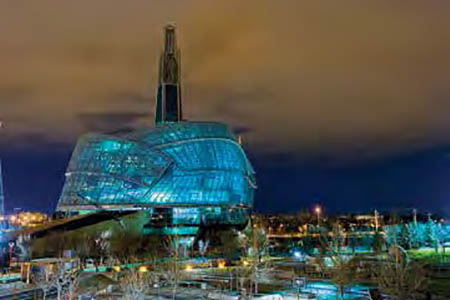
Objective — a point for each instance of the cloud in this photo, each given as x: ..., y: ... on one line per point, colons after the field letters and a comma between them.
x: 313, y: 78
x: 105, y: 122
x: 241, y: 130
x: 31, y: 144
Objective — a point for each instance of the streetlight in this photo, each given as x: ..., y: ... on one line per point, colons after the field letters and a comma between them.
x: 318, y: 210
x: 116, y: 268
x: 221, y: 264
x: 299, y: 283
x: 143, y: 269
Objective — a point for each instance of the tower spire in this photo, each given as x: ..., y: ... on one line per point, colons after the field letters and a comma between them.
x: 168, y: 98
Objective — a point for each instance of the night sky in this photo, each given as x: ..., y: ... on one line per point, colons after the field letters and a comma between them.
x: 343, y: 104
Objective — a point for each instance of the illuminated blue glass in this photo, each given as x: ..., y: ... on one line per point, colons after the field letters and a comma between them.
x: 196, y: 168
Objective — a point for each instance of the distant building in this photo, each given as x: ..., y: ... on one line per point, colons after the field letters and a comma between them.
x: 28, y: 219
x: 184, y: 175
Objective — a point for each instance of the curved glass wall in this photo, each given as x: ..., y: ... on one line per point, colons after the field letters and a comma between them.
x: 197, y: 169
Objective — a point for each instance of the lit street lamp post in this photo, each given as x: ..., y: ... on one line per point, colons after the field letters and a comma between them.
x: 318, y: 210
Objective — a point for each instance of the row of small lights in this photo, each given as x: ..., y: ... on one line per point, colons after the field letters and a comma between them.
x: 189, y: 268
x: 24, y: 219
x: 317, y: 211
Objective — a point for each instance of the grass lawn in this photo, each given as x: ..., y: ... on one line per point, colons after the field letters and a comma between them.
x: 429, y: 254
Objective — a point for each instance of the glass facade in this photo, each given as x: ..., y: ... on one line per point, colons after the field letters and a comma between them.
x: 184, y: 174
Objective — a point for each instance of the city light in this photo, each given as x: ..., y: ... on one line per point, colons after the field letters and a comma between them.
x: 143, y: 269
x: 28, y: 219
x: 221, y: 264
x: 318, y: 211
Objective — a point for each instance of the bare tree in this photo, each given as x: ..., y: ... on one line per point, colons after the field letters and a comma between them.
x: 254, y: 243
x: 344, y: 272
x: 66, y: 280
x: 73, y: 283
x: 152, y: 248
x: 401, y: 279
x: 257, y: 272
x: 203, y: 247
x: 343, y: 268
x: 125, y: 246
x: 45, y: 282
x: 171, y: 269
x: 102, y: 245
x: 135, y: 285
x: 84, y: 246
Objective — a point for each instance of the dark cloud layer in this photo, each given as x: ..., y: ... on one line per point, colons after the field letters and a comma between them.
x: 107, y: 121
x: 309, y: 76
x: 325, y: 81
